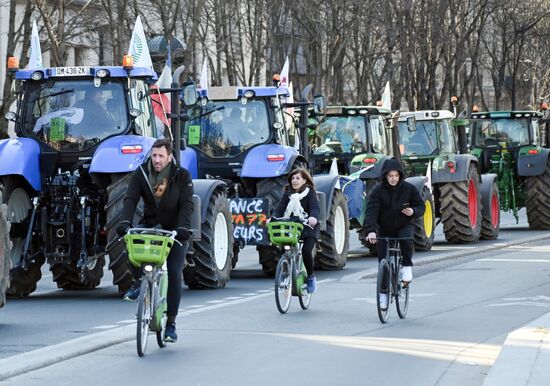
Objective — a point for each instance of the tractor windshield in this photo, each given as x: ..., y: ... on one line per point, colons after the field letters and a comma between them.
x: 501, y: 132
x: 74, y: 115
x: 229, y: 127
x: 341, y: 134
x: 424, y: 141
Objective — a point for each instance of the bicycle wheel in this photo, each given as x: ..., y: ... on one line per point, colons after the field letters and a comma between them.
x: 402, y: 296
x: 383, y: 287
x: 283, y: 285
x: 143, y: 317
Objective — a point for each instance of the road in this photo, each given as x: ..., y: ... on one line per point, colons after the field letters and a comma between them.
x: 461, y: 311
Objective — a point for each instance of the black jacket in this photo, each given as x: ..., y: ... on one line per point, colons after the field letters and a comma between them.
x: 310, y: 203
x: 175, y: 208
x: 385, y: 202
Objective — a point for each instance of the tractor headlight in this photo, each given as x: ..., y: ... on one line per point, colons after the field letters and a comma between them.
x: 102, y: 73
x: 37, y: 75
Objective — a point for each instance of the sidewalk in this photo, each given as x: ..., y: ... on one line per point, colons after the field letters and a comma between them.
x: 525, y: 357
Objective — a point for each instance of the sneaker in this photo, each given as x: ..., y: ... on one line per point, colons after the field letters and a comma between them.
x: 170, y: 333
x: 133, y: 293
x: 383, y: 301
x: 311, y: 284
x: 406, y: 274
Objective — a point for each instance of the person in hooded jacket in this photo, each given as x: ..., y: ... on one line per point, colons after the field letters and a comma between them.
x: 167, y: 193
x: 391, y: 207
x: 300, y: 200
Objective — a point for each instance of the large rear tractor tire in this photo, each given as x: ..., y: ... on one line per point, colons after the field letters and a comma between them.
x: 23, y: 277
x: 118, y: 258
x: 461, y: 209
x: 490, y: 225
x: 214, y: 252
x: 537, y: 200
x: 272, y: 189
x: 5, y: 248
x: 335, y: 239
x: 424, y: 226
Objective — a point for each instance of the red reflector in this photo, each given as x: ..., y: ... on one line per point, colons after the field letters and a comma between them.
x: 451, y: 165
x: 131, y: 149
x: 275, y: 157
x: 369, y: 160
x: 452, y: 170
x: 533, y: 151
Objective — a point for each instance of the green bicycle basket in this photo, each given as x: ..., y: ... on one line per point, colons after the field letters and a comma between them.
x: 284, y: 232
x: 145, y: 248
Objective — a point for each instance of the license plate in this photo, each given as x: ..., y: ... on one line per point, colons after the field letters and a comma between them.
x: 72, y: 71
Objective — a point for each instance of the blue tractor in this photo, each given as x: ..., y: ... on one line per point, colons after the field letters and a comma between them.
x: 80, y: 132
x: 251, y: 138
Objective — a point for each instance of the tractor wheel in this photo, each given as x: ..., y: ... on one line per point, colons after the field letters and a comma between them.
x: 214, y: 252
x: 424, y: 226
x: 362, y: 235
x: 537, y: 200
x: 335, y: 239
x: 68, y: 276
x: 461, y: 209
x: 118, y: 258
x: 22, y: 279
x: 272, y: 189
x: 490, y: 225
x: 5, y: 249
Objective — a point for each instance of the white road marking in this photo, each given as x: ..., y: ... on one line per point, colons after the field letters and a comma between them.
x: 233, y: 298
x: 126, y: 321
x: 105, y: 327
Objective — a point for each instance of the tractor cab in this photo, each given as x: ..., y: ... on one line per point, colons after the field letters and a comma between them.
x: 493, y: 133
x: 69, y: 111
x: 424, y: 135
x: 230, y: 121
x: 349, y: 132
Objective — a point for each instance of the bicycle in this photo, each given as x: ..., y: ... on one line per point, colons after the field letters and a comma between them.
x: 290, y: 275
x: 148, y: 248
x: 389, y: 269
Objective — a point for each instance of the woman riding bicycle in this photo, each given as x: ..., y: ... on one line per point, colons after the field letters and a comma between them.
x: 167, y: 192
x: 300, y: 200
x: 391, y: 207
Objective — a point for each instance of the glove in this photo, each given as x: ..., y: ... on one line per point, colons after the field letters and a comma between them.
x: 123, y: 227
x: 183, y: 234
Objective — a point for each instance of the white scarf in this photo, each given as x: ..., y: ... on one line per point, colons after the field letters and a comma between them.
x: 294, y: 206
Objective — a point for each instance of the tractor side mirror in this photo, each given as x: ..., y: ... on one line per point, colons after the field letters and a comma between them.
x: 11, y: 116
x: 189, y: 93
x: 411, y: 124
x: 319, y: 104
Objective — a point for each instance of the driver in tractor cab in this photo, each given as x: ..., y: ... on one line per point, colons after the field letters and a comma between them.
x: 391, y: 207
x: 167, y: 193
x: 96, y: 119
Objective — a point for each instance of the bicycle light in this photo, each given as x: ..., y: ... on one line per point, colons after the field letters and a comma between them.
x: 148, y: 268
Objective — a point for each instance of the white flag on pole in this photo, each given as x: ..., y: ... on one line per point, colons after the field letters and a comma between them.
x: 203, y: 81
x: 386, y: 97
x: 284, y: 75
x: 35, y: 54
x: 138, y: 47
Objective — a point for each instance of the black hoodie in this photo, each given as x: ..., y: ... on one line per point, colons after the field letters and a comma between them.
x: 385, y: 202
x: 173, y: 210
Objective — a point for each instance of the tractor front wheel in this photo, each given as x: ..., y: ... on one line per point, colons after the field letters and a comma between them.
x: 537, y: 200
x: 424, y: 226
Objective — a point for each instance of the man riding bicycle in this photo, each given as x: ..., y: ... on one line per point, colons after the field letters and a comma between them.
x: 391, y: 207
x: 167, y: 193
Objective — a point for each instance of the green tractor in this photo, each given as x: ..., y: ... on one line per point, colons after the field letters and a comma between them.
x: 514, y: 145
x: 433, y: 144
